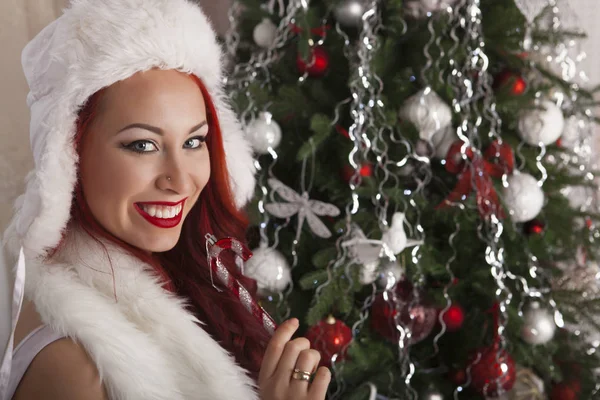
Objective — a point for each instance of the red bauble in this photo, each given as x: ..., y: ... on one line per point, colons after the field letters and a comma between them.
x: 565, y: 391
x: 330, y: 336
x: 454, y: 318
x: 419, y: 317
x: 518, y: 86
x: 348, y: 172
x: 534, y: 227
x: 317, y: 63
x: 494, y: 370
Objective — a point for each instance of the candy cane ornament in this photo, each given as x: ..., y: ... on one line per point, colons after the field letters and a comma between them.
x: 214, y: 250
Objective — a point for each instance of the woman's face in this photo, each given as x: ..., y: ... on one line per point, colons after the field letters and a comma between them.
x: 144, y: 160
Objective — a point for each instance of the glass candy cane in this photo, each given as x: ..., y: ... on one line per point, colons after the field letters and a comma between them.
x: 214, y: 250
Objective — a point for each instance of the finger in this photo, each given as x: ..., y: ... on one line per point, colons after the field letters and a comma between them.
x: 308, y: 361
x: 275, y: 348
x: 318, y: 388
x: 288, y: 360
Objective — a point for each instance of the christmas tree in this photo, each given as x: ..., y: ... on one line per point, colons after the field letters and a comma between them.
x: 426, y: 192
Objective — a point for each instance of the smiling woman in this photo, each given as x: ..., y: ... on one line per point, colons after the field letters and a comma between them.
x: 150, y: 130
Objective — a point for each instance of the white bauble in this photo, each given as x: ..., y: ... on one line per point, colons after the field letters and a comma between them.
x: 263, y: 133
x: 428, y: 112
x: 389, y: 275
x: 523, y: 197
x: 538, y: 324
x: 573, y: 133
x: 269, y: 268
x: 264, y: 33
x: 442, y: 140
x: 349, y: 13
x: 368, y: 272
x: 543, y: 125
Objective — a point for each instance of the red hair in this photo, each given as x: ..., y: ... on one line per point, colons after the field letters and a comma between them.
x: 184, y: 269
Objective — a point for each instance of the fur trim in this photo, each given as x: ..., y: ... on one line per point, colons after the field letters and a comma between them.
x: 94, y: 44
x: 143, y: 341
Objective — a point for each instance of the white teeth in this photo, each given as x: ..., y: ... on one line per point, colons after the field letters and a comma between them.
x: 161, y: 211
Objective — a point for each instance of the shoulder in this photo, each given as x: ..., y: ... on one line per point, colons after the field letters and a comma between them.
x: 62, y: 370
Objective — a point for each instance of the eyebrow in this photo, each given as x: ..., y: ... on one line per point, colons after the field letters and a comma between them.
x: 157, y: 130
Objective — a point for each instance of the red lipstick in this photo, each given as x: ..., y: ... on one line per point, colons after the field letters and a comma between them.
x: 161, y: 222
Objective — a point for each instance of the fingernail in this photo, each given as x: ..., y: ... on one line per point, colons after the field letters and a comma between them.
x: 295, y: 322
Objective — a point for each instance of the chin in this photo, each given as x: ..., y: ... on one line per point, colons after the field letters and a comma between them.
x: 159, y: 244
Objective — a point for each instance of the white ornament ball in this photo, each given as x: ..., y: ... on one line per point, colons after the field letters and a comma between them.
x: 538, y: 324
x: 368, y: 272
x: 349, y: 13
x: 523, y: 197
x: 269, y: 268
x: 263, y: 133
x: 574, y: 131
x: 428, y: 112
x: 389, y: 275
x: 544, y: 125
x: 264, y: 33
x: 443, y: 140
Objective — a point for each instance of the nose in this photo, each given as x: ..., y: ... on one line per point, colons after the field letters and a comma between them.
x: 174, y: 177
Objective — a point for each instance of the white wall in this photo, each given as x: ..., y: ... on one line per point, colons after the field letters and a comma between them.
x: 20, y: 20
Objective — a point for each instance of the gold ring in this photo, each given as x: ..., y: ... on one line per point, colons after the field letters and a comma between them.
x: 301, y: 375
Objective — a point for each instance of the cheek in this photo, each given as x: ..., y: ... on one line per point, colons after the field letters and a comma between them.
x: 109, y: 180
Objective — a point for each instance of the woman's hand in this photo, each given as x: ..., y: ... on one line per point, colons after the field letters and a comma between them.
x: 282, y: 356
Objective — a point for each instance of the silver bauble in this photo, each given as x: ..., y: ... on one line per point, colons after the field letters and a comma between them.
x: 349, y: 13
x: 264, y: 33
x: 263, y: 133
x: 538, y: 324
x: 427, y: 112
x: 542, y: 125
x: 528, y: 386
x: 269, y: 268
x: 523, y: 197
x: 442, y: 140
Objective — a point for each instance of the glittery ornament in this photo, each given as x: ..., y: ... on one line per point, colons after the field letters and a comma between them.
x: 264, y: 33
x: 427, y: 112
x: 542, y: 125
x: 263, y: 133
x: 331, y: 338
x: 523, y: 197
x: 528, y: 386
x: 349, y: 13
x: 419, y: 9
x: 316, y: 65
x: 493, y: 371
x: 386, y: 274
x: 534, y: 227
x: 538, y: 324
x: 454, y: 318
x: 417, y: 317
x: 269, y: 268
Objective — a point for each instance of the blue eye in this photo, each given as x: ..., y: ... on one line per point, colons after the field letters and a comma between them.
x: 195, y: 142
x: 141, y: 146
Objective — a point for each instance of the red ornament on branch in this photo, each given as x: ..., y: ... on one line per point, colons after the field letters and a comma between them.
x: 568, y: 390
x: 317, y: 63
x: 518, y: 86
x: 330, y: 337
x: 454, y: 318
x: 492, y: 369
x: 497, y: 160
x: 420, y: 318
x: 534, y: 227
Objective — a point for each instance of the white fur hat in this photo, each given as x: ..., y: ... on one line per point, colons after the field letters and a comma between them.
x: 94, y: 44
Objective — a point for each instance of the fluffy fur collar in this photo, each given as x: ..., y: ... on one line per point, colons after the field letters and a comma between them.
x: 145, y: 344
